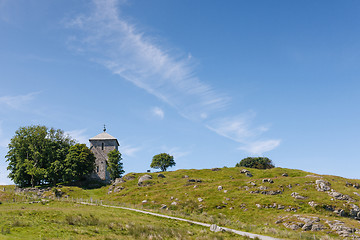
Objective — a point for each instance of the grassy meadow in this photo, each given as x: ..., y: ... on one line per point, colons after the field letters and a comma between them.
x: 195, y: 195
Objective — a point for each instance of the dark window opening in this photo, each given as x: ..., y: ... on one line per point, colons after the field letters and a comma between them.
x: 97, y: 169
x: 102, y: 146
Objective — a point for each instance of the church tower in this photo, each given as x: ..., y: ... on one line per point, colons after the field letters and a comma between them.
x: 100, y: 146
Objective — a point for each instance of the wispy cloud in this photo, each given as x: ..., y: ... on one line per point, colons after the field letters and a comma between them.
x: 239, y: 129
x: 175, y: 151
x: 260, y: 147
x: 16, y: 102
x: 131, y: 54
x: 129, y: 150
x: 158, y: 112
x: 79, y: 135
x: 107, y: 37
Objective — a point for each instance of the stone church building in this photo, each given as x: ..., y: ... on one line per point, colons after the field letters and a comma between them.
x: 101, y: 145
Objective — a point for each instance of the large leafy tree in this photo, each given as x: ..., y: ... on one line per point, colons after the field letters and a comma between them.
x: 79, y: 162
x: 114, y: 164
x: 256, y: 162
x: 33, y: 151
x: 162, y: 161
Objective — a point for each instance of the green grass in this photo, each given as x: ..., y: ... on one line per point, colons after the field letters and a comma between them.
x: 238, y: 205
x: 62, y: 220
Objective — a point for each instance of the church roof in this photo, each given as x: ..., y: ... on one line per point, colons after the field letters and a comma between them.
x: 104, y: 136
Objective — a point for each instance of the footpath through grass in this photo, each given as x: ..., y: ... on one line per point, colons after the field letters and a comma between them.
x: 62, y: 220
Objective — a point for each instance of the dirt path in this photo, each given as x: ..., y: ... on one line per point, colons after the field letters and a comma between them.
x: 250, y: 235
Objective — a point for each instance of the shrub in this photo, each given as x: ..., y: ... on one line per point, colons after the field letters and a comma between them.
x: 256, y: 162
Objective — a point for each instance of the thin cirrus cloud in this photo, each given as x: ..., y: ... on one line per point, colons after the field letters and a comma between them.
x: 129, y: 150
x: 129, y: 53
x: 158, y: 112
x: 16, y: 102
x: 109, y: 39
x: 240, y: 130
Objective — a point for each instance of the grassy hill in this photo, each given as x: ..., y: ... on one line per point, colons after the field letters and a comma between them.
x: 284, y: 203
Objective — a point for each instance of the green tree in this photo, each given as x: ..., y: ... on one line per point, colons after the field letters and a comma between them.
x: 162, y: 161
x: 32, y: 151
x: 256, y: 162
x: 79, y: 162
x: 114, y: 164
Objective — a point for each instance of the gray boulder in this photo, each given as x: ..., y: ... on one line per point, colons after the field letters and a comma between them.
x: 144, y: 178
x: 160, y: 175
x: 297, y: 196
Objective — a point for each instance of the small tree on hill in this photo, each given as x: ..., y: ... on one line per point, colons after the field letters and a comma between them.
x: 256, y: 162
x: 162, y: 161
x: 115, y: 166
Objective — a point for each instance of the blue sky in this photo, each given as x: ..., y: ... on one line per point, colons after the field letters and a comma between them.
x: 209, y: 82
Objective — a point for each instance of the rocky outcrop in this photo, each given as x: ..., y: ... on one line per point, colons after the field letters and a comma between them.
x: 267, y: 180
x: 246, y: 172
x: 339, y: 196
x: 160, y: 175
x: 322, y: 185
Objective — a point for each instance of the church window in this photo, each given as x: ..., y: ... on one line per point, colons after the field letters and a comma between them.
x: 97, y: 169
x: 102, y: 146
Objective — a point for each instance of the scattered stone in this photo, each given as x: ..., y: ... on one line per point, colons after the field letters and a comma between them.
x: 220, y: 207
x: 118, y: 189
x: 220, y: 188
x: 200, y: 199
x: 244, y: 171
x: 317, y: 227
x: 307, y: 226
x: 357, y: 194
x: 248, y: 174
x: 160, y: 175
x: 195, y: 186
x: 195, y: 180
x: 252, y: 183
x: 258, y: 205
x: 293, y: 225
x: 340, y: 212
x: 144, y: 201
x: 285, y: 175
x: 215, y: 169
x: 278, y: 221
x: 216, y: 228
x: 276, y: 192
x: 163, y: 206
x: 267, y: 180
x: 312, y: 204
x: 263, y: 188
x: 297, y: 196
x: 171, y: 198
x: 281, y: 206
x: 322, y: 185
x: 185, y: 176
x: 174, y: 203
x: 225, y: 191
x: 119, y: 180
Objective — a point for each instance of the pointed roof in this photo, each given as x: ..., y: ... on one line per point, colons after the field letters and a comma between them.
x: 104, y: 136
